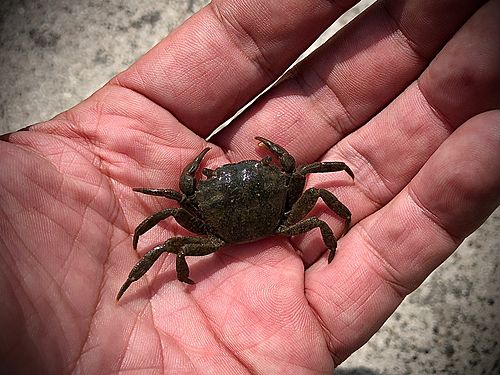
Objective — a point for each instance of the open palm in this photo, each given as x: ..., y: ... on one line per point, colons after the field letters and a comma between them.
x: 404, y: 100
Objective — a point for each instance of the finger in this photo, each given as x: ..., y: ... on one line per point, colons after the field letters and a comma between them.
x: 386, y: 153
x: 388, y: 254
x: 350, y: 79
x: 219, y: 59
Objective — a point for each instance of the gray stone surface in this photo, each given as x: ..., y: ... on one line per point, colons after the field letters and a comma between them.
x: 55, y: 53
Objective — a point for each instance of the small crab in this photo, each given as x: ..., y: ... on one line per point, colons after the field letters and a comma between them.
x: 239, y: 203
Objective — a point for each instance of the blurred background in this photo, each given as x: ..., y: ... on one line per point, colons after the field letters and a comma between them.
x: 56, y: 53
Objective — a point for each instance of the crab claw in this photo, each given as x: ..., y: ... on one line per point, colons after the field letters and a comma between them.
x: 286, y: 160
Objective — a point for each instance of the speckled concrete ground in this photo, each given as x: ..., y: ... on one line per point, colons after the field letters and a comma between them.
x: 55, y: 53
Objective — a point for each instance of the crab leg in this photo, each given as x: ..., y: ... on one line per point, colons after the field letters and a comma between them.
x: 182, y: 216
x: 298, y: 179
x: 167, y: 193
x: 304, y: 205
x: 182, y: 246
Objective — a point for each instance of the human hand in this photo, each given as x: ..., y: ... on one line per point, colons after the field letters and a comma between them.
x: 426, y: 172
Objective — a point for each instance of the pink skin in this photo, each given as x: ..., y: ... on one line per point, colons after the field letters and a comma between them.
x: 409, y: 103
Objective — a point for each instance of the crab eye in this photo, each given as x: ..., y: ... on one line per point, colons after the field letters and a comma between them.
x: 208, y: 172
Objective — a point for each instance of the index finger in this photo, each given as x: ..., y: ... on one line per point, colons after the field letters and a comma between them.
x: 225, y: 54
